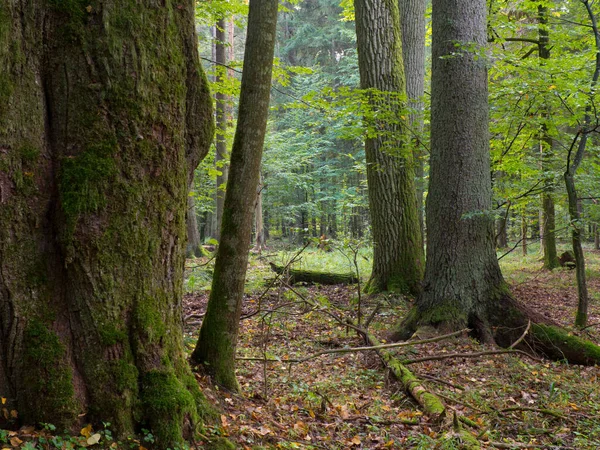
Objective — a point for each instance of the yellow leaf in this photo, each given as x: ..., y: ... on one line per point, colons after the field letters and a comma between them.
x: 87, y: 431
x: 94, y: 439
x: 15, y: 442
x: 311, y: 413
x: 551, y: 87
x: 89, y: 9
x: 356, y: 440
x: 3, y: 400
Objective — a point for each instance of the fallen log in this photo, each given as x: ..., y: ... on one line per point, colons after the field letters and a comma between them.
x: 432, y: 405
x: 314, y: 277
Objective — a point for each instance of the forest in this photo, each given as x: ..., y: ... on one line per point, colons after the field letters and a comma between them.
x: 299, y: 224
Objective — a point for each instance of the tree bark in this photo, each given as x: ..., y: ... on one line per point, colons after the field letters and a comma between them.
x: 398, y: 248
x: 412, y: 21
x: 218, y: 335
x: 104, y: 114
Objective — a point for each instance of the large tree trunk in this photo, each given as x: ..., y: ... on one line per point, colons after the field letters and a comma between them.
x: 218, y: 335
x: 398, y: 249
x: 412, y: 21
x: 104, y: 114
x: 463, y: 284
x: 462, y: 275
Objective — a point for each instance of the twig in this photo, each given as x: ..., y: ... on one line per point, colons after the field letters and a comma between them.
x: 540, y: 410
x: 516, y: 445
x: 518, y: 341
x: 466, y: 355
x: 358, y: 349
x: 447, y: 383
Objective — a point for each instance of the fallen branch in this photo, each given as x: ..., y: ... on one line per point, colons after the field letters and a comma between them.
x: 311, y: 276
x: 432, y: 405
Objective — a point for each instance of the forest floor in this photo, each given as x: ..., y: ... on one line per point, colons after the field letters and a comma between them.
x: 349, y: 400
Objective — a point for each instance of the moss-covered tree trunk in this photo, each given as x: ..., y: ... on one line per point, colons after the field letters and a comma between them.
x: 463, y: 284
x: 104, y: 114
x: 398, y: 249
x: 218, y: 335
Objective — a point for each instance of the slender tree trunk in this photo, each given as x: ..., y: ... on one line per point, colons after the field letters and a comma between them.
x: 104, y: 114
x: 412, y: 21
x: 218, y: 335
x: 548, y: 224
x: 596, y: 237
x: 524, y: 233
x: 259, y: 226
x: 398, y: 248
x: 194, y: 244
x: 222, y: 109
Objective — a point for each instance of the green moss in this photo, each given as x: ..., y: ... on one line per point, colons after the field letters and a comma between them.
x: 561, y: 345
x: 29, y: 154
x: 126, y: 376
x: 167, y: 402
x: 220, y: 443
x: 444, y: 313
x: 111, y: 335
x: 84, y: 179
x: 149, y: 319
x: 50, y: 377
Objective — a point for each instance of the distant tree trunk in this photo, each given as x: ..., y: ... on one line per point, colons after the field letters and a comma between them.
x: 104, y: 114
x: 412, y: 21
x: 398, y: 250
x: 596, y: 237
x: 216, y: 345
x: 259, y: 227
x: 222, y: 109
x: 501, y: 235
x: 548, y: 222
x: 524, y: 233
x: 194, y: 244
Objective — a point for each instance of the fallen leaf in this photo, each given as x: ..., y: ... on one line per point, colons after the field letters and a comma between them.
x: 264, y: 431
x: 4, y: 400
x: 15, y: 442
x: 224, y: 421
x: 94, y: 439
x: 87, y: 431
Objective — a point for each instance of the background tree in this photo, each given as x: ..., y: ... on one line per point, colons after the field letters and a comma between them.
x: 397, y: 252
x: 218, y: 335
x: 105, y: 114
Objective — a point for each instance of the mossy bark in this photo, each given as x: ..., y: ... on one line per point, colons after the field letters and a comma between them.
x: 105, y: 113
x: 398, y: 257
x: 216, y: 346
